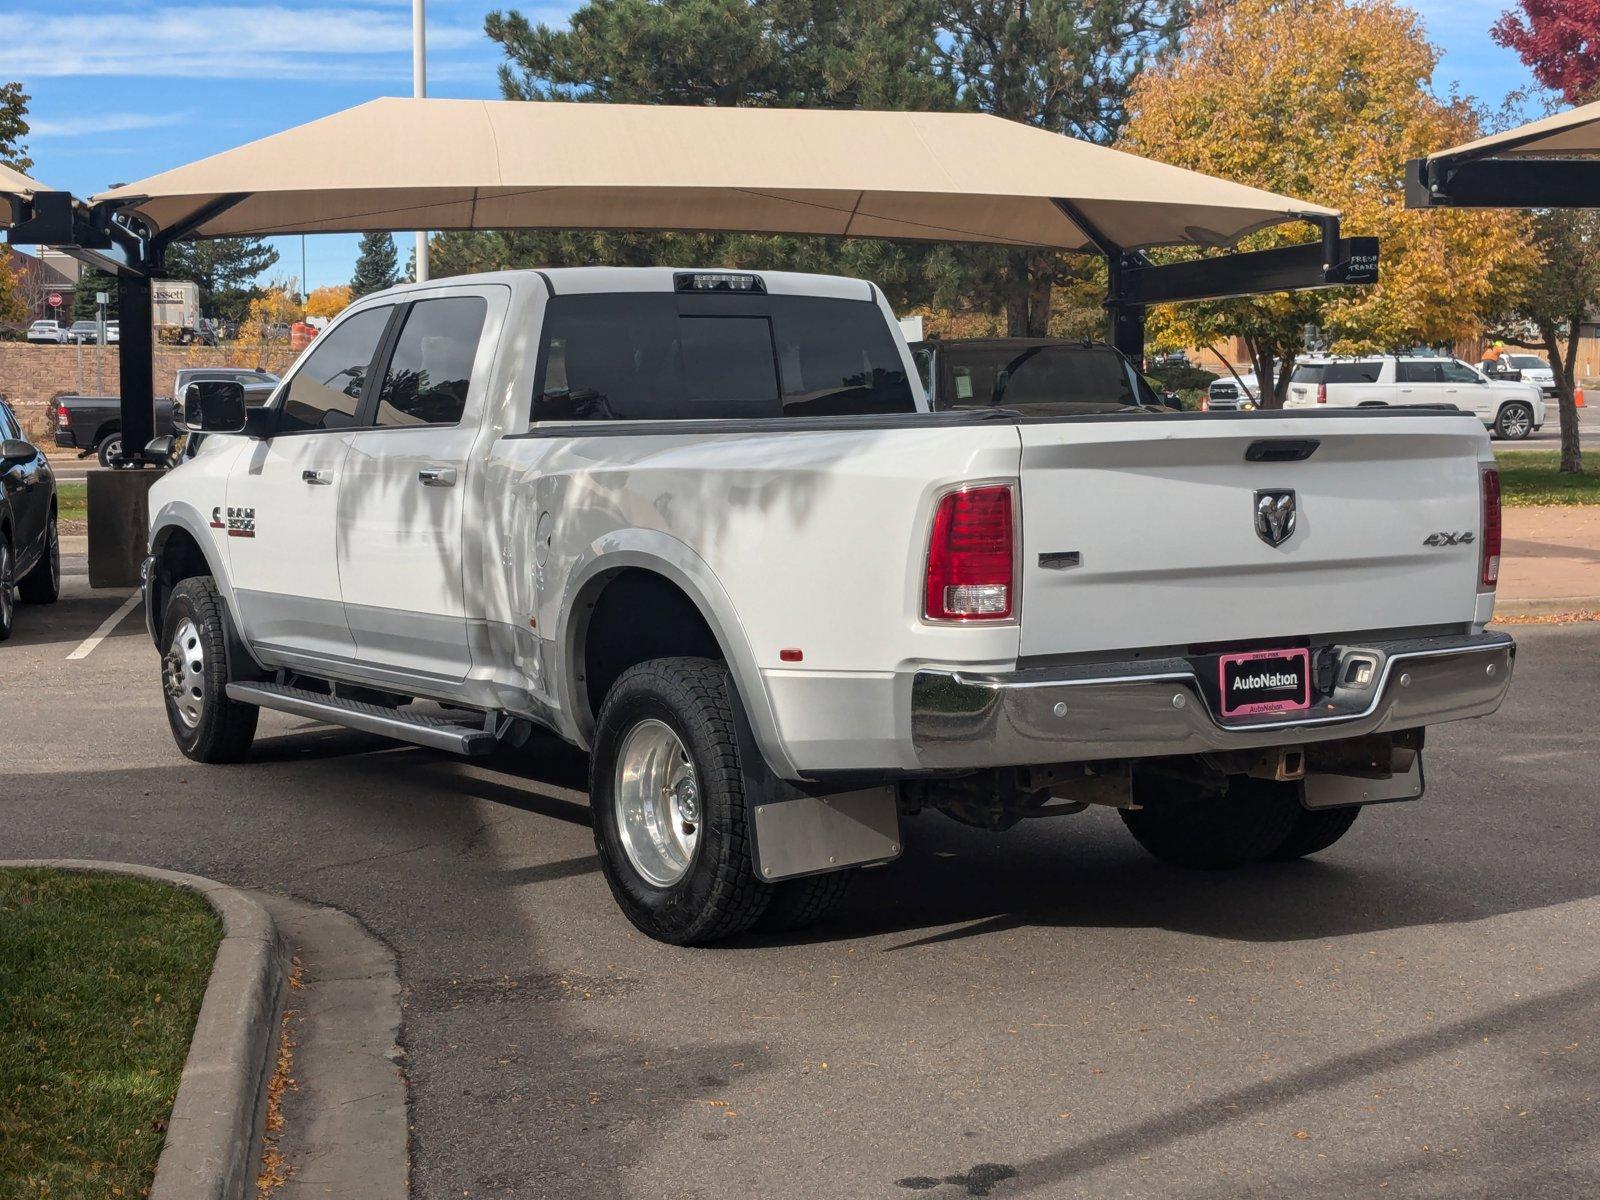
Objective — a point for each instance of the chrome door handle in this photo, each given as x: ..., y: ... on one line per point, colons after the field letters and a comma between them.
x: 437, y: 476
x: 323, y: 477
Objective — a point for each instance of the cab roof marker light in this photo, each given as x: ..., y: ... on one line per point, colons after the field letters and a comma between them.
x: 718, y: 281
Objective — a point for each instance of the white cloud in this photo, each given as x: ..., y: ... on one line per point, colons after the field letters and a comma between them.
x: 99, y: 123
x: 225, y: 42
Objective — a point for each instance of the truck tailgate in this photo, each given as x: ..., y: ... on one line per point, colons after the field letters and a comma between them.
x: 1161, y: 516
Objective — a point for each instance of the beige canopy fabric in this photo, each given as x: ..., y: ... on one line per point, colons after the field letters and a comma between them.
x: 14, y: 183
x: 1574, y: 133
x: 399, y: 164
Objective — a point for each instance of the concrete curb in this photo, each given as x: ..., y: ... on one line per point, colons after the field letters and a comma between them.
x: 214, y: 1133
x: 1546, y: 607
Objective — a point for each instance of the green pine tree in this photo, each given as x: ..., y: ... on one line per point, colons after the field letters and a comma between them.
x: 377, y: 265
x: 226, y: 270
x: 91, y: 282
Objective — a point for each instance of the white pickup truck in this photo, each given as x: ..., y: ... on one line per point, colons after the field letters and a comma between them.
x: 700, y: 524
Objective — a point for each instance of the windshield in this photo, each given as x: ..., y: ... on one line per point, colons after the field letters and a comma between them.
x: 1527, y: 362
x: 655, y: 355
x: 1063, y: 378
x: 1308, y: 373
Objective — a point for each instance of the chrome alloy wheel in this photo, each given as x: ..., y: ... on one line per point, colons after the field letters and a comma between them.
x: 1517, y: 423
x: 8, y: 587
x: 656, y: 797
x: 183, y: 673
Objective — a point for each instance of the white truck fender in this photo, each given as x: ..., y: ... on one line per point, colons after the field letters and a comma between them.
x: 180, y: 514
x: 663, y: 554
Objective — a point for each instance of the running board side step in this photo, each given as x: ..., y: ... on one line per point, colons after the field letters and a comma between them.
x: 434, y: 732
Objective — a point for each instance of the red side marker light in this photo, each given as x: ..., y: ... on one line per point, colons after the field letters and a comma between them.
x: 792, y: 654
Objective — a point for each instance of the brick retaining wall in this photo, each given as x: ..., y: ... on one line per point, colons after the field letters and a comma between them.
x: 32, y: 375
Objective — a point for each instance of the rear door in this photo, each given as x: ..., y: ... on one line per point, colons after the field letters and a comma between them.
x: 402, y: 549
x: 282, y: 514
x: 1150, y: 528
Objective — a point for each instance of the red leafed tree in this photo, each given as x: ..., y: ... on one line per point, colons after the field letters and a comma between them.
x: 1560, y: 42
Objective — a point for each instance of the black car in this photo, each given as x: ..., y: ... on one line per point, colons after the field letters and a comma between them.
x: 30, y: 552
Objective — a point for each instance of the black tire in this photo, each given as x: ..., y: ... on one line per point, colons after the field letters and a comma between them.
x: 1316, y: 830
x: 797, y: 903
x: 8, y: 594
x: 42, y: 585
x: 215, y: 729
x: 1514, y: 421
x: 718, y: 894
x: 1248, y: 823
x: 107, y: 450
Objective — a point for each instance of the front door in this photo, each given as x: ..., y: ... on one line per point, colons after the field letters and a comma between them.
x: 403, y: 551
x: 283, y: 494
x: 1466, y: 389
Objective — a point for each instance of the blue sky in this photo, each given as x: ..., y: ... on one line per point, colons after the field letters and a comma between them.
x: 125, y: 88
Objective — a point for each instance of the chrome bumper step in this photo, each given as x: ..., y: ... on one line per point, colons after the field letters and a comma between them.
x: 418, y: 728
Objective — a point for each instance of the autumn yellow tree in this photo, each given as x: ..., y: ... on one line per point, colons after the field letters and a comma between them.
x: 328, y: 301
x: 1326, y: 100
x: 12, y: 308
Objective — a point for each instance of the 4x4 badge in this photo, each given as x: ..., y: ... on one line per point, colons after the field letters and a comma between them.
x: 1275, y: 515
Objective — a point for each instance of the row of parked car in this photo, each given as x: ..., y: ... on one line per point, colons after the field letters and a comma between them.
x: 93, y: 424
x: 1510, y: 403
x: 80, y: 332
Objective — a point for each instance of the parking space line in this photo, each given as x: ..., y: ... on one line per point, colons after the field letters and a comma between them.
x: 86, y: 647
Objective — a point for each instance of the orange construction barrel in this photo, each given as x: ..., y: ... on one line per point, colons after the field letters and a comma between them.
x: 300, y: 335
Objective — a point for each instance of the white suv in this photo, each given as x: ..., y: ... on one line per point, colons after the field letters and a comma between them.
x: 1509, y: 410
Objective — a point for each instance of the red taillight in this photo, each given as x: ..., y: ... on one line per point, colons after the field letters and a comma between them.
x: 971, y: 564
x: 1322, y: 393
x: 63, y: 417
x: 1489, y: 555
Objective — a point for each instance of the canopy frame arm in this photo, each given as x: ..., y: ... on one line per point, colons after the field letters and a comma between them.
x: 1473, y: 181
x: 1133, y: 282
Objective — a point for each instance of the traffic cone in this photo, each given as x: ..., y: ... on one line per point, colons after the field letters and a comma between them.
x: 1577, y: 397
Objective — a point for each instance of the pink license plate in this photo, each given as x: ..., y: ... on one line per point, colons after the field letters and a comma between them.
x: 1264, y: 681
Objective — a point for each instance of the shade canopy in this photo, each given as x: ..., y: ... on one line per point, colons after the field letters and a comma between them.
x: 1575, y: 132
x: 14, y: 185
x: 1553, y: 163
x: 400, y: 164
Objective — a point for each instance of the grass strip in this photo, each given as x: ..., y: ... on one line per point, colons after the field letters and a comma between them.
x: 102, y: 978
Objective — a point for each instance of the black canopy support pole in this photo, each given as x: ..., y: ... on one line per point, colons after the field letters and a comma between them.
x: 136, y: 363
x: 1502, y: 183
x: 1124, y: 318
x: 136, y: 312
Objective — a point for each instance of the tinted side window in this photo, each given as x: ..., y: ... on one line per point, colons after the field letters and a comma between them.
x: 1353, y: 372
x: 8, y: 424
x: 1416, y: 372
x: 1308, y: 373
x: 326, y: 391
x: 1454, y: 372
x: 426, y: 383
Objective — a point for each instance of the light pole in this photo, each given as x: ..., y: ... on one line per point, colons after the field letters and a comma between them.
x: 419, y: 89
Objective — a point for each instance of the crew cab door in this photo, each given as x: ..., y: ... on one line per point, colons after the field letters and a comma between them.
x: 403, y: 547
x: 282, y: 511
x: 1466, y: 389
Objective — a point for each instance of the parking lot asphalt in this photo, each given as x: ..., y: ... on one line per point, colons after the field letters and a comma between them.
x: 1042, y: 1013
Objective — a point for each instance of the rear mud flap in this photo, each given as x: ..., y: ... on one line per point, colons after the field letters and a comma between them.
x: 800, y: 829
x: 1340, y: 791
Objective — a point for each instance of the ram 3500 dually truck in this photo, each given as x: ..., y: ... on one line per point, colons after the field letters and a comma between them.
x: 700, y: 524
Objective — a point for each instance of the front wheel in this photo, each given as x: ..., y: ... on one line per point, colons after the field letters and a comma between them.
x: 207, y: 726
x: 1515, y: 421
x: 667, y: 792
x: 1247, y: 823
x: 8, y: 594
x: 42, y: 585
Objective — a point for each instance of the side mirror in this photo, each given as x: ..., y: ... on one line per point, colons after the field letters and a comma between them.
x: 212, y: 406
x: 161, y: 450
x: 14, y: 451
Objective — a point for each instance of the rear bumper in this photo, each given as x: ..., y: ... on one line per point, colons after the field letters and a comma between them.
x: 66, y: 438
x: 1149, y: 708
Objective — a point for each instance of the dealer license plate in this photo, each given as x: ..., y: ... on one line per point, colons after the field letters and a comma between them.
x: 1264, y: 681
